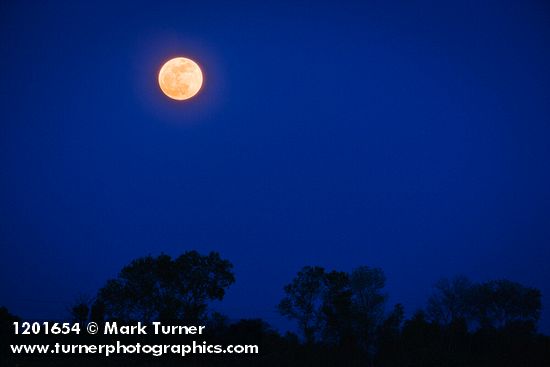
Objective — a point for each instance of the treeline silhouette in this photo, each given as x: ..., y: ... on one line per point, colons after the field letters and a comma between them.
x: 343, y: 319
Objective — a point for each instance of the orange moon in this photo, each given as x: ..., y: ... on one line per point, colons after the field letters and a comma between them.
x: 180, y: 78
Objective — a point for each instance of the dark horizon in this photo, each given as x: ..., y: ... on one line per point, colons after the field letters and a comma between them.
x: 413, y: 137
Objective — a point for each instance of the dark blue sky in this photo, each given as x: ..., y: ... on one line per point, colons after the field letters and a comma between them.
x: 412, y: 136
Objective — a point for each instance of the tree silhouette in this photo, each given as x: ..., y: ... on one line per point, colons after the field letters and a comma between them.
x: 388, y: 335
x: 368, y: 302
x: 303, y: 300
x: 452, y: 300
x: 166, y: 289
x: 341, y: 315
x: 336, y: 306
x: 493, y: 304
x: 501, y: 303
x: 336, y: 309
x: 80, y: 312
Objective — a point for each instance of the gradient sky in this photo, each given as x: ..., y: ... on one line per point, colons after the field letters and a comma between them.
x: 412, y: 136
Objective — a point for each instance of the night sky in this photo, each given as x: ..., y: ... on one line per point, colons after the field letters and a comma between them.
x: 412, y: 136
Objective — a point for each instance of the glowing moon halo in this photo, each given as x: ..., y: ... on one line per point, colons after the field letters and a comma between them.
x: 180, y: 78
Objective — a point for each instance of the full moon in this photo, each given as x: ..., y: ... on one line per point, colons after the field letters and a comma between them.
x: 180, y: 78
